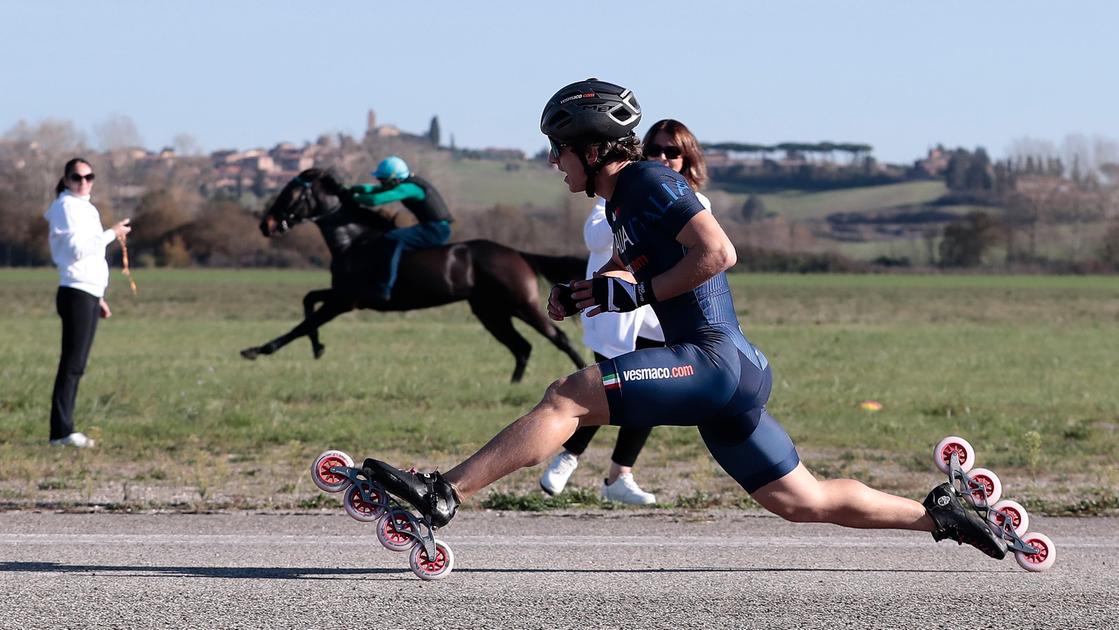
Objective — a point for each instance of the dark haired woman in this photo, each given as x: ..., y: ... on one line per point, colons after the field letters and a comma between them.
x: 671, y: 143
x: 77, y: 243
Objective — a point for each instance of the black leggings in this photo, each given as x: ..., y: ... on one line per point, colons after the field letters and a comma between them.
x: 630, y: 439
x: 79, y: 312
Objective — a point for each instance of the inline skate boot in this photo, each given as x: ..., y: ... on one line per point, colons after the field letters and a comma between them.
x: 972, y: 497
x: 373, y: 494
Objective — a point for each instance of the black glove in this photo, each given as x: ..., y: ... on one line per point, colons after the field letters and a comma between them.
x: 566, y: 302
x: 618, y: 296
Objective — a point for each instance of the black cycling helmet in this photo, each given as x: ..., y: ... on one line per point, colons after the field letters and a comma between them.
x: 590, y: 111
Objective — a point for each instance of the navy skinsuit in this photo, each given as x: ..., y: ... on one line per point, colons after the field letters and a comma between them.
x: 709, y: 375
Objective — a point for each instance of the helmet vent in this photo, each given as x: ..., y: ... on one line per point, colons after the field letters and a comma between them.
x: 561, y: 119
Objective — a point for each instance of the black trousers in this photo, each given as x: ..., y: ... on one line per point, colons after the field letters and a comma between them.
x: 79, y: 312
x: 630, y: 439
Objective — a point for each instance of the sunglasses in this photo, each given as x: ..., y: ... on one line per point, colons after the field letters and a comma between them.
x: 556, y: 149
x: 655, y: 150
x: 77, y: 179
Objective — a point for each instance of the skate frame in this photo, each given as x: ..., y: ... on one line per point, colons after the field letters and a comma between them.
x: 971, y: 489
x: 425, y: 535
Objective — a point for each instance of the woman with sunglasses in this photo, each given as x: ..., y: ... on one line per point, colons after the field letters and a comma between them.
x: 77, y: 242
x: 671, y: 253
x: 608, y: 335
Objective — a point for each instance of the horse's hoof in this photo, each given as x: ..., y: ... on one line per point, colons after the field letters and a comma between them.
x: 249, y: 353
x: 319, y: 351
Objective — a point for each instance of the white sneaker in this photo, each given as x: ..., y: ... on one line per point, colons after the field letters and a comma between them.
x: 625, y: 490
x: 559, y: 471
x: 74, y: 439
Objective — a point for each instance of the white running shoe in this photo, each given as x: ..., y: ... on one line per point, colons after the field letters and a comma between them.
x: 74, y: 439
x: 625, y: 490
x: 559, y: 471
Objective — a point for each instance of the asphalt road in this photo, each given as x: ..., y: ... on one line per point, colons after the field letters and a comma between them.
x: 623, y: 569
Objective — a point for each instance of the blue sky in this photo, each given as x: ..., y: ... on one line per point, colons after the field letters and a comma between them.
x: 900, y: 76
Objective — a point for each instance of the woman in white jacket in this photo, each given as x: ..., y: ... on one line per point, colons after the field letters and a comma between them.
x: 612, y: 334
x: 77, y: 243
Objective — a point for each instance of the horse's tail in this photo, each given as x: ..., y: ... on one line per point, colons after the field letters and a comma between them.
x: 557, y: 268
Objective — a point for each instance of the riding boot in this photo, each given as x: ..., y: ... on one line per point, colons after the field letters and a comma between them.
x: 393, y: 251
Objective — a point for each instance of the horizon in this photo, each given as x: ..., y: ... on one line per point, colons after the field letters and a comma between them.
x: 900, y: 78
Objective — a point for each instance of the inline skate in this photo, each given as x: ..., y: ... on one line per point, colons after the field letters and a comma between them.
x: 373, y: 494
x: 974, y: 495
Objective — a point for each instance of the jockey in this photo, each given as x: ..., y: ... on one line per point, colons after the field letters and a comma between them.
x: 418, y: 195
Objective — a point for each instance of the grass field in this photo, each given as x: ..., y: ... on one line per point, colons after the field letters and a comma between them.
x: 1024, y: 367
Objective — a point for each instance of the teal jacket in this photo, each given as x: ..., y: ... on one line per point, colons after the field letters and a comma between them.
x: 415, y: 193
x: 370, y: 195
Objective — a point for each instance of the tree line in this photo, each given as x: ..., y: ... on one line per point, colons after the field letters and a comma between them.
x: 795, y: 150
x: 1035, y: 207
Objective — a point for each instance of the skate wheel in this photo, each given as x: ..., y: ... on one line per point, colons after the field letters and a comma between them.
x: 395, y: 532
x: 1007, y: 509
x: 1043, y: 559
x: 326, y: 480
x: 362, y: 510
x: 942, y: 454
x: 428, y: 569
x: 990, y: 484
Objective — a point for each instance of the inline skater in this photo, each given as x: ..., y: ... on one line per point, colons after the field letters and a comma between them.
x: 671, y: 253
x: 671, y: 143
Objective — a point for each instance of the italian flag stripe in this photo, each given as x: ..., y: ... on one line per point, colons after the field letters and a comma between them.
x: 611, y: 381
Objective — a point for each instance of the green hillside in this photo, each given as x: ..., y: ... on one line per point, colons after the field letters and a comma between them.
x: 799, y: 205
x: 482, y: 184
x: 485, y: 183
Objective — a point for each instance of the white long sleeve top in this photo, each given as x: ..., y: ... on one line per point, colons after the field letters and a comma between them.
x: 612, y: 334
x: 78, y: 242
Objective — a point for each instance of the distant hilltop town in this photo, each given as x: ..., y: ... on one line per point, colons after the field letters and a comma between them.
x: 235, y: 172
x: 259, y: 172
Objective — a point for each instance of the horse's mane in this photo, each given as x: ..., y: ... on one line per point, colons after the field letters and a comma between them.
x: 328, y: 177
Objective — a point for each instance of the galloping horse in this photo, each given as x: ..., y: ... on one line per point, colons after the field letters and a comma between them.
x: 497, y: 281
